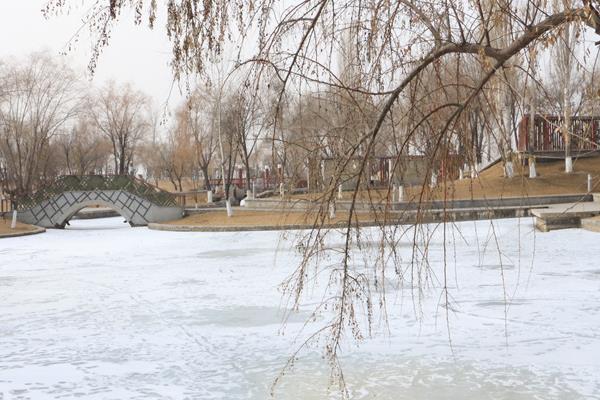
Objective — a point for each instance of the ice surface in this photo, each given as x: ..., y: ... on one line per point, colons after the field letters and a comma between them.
x: 105, y: 311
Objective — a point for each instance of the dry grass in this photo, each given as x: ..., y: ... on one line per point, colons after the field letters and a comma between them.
x: 185, y: 198
x: 491, y: 183
x: 21, y: 228
x: 551, y: 180
x: 188, y: 185
x: 245, y: 218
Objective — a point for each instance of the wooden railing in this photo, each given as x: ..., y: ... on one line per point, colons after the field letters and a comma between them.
x: 548, y: 136
x: 6, y: 205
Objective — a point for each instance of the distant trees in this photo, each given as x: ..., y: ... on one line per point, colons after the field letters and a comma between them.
x: 246, y: 126
x: 52, y: 123
x: 196, y: 118
x: 176, y: 155
x: 211, y: 131
x: 84, y: 151
x: 326, y: 125
x: 121, y: 113
x: 38, y: 98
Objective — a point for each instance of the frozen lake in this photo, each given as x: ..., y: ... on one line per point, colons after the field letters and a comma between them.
x: 105, y: 311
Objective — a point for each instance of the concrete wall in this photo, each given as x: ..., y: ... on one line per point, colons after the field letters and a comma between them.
x: 532, y: 201
x: 57, y: 211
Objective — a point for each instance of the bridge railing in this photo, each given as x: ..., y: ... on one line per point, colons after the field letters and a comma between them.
x: 70, y: 183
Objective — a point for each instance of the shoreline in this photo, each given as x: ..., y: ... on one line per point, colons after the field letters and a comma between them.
x: 393, y: 219
x: 18, y: 233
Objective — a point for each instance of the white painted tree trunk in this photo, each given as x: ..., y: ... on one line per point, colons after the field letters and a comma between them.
x: 567, y: 129
x: 13, y: 224
x: 474, y: 173
x: 532, y: 170
x: 509, y: 171
x: 229, y: 208
x: 568, y: 164
x: 433, y: 182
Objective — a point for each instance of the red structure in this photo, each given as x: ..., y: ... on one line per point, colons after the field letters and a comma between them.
x: 548, y: 137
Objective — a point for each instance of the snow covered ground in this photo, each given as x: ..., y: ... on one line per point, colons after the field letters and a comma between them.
x: 105, y: 311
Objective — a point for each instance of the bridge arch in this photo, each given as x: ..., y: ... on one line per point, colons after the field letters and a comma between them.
x: 70, y: 212
x: 137, y: 201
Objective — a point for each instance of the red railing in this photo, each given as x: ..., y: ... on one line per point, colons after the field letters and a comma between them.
x: 548, y: 135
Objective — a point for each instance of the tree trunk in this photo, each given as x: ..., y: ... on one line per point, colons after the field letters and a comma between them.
x: 566, y: 132
x: 247, y: 168
x: 122, y: 162
x: 204, y: 169
x: 173, y: 182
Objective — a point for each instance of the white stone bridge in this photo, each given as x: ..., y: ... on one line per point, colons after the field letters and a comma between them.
x: 140, y: 203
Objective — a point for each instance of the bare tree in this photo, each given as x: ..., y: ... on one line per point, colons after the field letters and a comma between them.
x: 121, y: 114
x: 196, y: 117
x: 40, y: 98
x: 246, y: 129
x: 564, y: 63
x: 177, y: 156
x: 84, y: 150
x: 228, y: 142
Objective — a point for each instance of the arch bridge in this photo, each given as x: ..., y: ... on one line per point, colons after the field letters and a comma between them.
x: 139, y: 202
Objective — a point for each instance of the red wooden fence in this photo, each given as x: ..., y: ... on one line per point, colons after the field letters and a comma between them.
x: 548, y: 136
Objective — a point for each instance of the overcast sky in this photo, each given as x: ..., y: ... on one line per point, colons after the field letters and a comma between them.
x: 136, y: 54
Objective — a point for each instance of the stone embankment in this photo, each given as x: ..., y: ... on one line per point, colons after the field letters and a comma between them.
x: 274, y: 214
x: 583, y: 214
